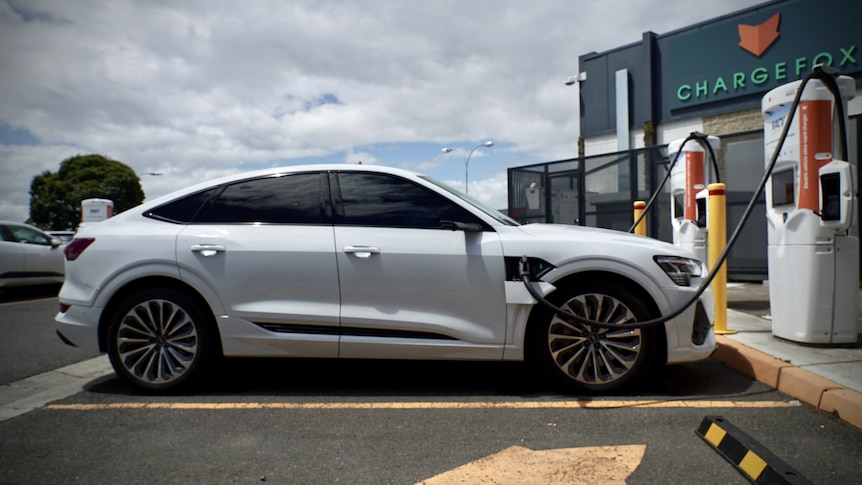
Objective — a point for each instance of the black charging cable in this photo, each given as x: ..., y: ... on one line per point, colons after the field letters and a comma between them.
x: 701, y: 139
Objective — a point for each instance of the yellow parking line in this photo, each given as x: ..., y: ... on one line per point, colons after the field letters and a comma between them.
x: 422, y: 405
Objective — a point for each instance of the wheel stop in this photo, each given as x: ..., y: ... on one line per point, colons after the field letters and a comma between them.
x: 753, y: 460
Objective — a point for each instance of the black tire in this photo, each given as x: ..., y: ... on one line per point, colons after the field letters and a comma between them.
x: 585, y: 358
x: 160, y: 340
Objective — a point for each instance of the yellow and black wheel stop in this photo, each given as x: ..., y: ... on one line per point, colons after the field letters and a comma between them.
x: 748, y: 456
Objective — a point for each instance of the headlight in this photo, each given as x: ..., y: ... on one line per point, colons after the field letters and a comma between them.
x: 679, y: 269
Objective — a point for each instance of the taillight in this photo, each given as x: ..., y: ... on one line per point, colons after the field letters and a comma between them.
x: 77, y: 246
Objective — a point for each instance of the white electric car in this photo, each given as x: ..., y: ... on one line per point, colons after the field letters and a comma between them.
x: 361, y: 261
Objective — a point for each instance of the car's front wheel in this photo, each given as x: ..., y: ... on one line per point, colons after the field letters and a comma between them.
x: 588, y: 357
x: 159, y: 340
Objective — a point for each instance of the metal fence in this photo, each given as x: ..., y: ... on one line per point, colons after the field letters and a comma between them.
x: 599, y: 191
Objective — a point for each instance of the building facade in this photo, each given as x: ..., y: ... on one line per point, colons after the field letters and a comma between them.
x: 709, y: 78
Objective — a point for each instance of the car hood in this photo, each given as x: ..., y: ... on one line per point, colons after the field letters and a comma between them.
x: 583, y: 233
x: 560, y: 242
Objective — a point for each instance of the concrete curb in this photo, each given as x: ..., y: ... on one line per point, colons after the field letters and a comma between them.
x: 799, y: 383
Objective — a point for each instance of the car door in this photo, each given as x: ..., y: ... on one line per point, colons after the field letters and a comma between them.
x: 266, y: 247
x: 42, y: 257
x: 12, y: 256
x: 409, y: 287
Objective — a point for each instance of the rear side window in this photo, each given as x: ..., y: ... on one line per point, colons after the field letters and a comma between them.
x: 182, y: 210
x: 289, y: 199
x: 381, y: 200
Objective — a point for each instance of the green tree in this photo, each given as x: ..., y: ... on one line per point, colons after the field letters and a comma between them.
x: 55, y: 198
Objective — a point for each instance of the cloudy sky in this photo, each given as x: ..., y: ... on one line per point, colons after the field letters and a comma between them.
x: 197, y: 89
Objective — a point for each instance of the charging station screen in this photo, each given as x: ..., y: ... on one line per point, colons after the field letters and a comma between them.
x: 678, y: 205
x: 783, y: 192
x: 830, y: 183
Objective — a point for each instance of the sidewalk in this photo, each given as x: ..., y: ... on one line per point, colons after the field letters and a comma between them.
x: 827, y: 377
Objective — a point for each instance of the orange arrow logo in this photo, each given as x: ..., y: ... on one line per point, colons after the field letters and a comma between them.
x: 757, y: 38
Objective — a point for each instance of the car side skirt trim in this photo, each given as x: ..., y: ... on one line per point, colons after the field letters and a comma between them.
x: 349, y: 331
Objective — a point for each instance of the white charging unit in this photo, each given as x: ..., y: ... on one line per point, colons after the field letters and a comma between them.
x: 688, y: 182
x: 810, y: 206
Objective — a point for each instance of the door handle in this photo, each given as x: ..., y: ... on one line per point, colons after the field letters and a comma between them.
x: 208, y: 249
x: 363, y: 252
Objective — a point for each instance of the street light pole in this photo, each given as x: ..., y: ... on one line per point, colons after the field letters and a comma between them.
x: 488, y: 143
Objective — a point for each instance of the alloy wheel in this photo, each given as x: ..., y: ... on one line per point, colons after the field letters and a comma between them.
x: 591, y: 355
x: 157, y: 341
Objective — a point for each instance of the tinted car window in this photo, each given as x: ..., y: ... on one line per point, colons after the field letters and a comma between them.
x: 386, y: 201
x: 182, y: 210
x: 290, y: 199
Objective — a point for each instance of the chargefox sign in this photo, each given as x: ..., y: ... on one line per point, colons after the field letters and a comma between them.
x: 751, y: 54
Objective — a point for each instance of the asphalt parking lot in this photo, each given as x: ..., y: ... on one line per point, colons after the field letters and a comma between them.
x: 309, y: 421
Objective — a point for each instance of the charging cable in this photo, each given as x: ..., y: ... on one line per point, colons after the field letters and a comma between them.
x: 704, y: 142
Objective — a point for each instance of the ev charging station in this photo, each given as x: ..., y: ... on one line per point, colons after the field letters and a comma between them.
x: 813, y: 259
x: 688, y: 189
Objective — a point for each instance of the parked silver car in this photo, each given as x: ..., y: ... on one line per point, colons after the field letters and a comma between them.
x: 29, y: 256
x: 361, y: 261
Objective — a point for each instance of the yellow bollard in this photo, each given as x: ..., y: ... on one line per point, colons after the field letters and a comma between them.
x: 640, y: 229
x: 716, y: 224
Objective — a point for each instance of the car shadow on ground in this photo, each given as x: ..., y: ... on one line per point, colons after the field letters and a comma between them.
x: 316, y: 378
x: 26, y: 293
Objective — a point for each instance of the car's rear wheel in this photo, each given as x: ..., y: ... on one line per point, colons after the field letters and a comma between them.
x: 159, y: 340
x: 586, y: 357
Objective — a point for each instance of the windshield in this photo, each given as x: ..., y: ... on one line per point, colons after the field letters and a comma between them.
x: 496, y: 214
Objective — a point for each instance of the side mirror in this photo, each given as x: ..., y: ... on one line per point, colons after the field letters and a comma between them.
x: 461, y: 226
